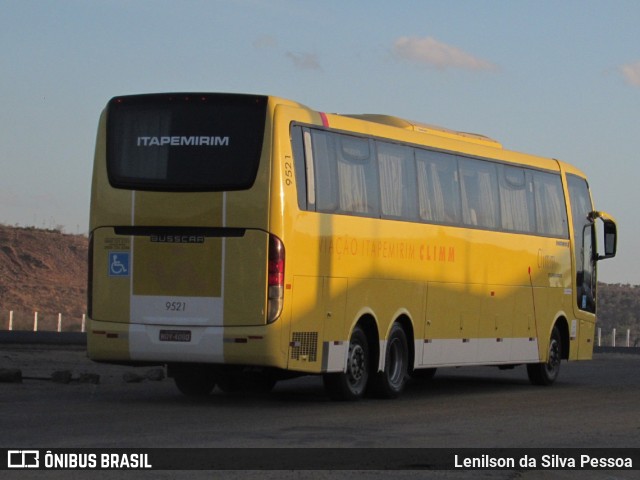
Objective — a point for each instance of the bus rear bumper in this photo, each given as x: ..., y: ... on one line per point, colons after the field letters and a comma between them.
x: 141, y: 343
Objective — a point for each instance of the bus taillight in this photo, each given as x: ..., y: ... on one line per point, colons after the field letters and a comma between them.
x: 275, y: 278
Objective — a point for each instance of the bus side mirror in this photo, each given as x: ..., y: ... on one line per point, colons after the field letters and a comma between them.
x: 607, y: 235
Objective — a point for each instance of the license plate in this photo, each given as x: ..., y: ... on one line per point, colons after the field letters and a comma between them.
x: 175, y: 335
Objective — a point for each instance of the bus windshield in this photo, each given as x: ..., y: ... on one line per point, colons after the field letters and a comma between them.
x: 185, y: 142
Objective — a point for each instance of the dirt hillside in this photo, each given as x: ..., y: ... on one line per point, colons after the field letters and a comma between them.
x: 43, y: 271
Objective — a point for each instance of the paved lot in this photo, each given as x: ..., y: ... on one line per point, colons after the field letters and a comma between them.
x: 594, y: 404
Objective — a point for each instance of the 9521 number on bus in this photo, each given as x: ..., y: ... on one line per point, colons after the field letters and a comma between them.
x: 176, y: 306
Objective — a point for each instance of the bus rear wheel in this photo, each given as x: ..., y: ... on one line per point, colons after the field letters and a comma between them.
x: 423, y: 373
x: 351, y: 385
x: 195, y: 382
x: 238, y: 380
x: 390, y: 382
x: 547, y: 373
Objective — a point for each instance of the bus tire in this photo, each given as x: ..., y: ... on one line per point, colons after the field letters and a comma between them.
x: 351, y: 385
x: 390, y: 382
x: 254, y: 382
x: 423, y: 373
x: 547, y: 373
x: 196, y: 382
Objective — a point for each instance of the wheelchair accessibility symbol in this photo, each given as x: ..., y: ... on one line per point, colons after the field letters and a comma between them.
x: 118, y: 264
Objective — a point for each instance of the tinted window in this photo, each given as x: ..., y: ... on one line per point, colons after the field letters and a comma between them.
x: 479, y: 187
x: 345, y: 175
x: 325, y: 170
x: 300, y: 169
x: 517, y: 209
x: 438, y: 187
x: 340, y: 173
x: 357, y: 176
x: 551, y: 210
x: 197, y: 142
x: 397, y: 180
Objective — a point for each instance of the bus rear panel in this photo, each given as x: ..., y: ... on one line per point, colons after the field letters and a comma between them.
x: 180, y: 247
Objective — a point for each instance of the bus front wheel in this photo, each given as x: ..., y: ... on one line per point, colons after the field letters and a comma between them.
x: 547, y: 373
x: 351, y: 385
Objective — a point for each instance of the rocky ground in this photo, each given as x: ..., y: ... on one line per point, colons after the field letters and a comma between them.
x: 67, y: 364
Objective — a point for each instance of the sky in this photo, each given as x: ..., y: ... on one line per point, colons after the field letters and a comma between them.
x: 554, y: 78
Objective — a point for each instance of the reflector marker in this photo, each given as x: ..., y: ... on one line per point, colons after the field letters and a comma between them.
x: 325, y: 120
x: 236, y: 340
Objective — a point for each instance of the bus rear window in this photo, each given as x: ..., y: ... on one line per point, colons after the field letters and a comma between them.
x: 185, y: 142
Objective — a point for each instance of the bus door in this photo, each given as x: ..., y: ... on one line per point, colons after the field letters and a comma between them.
x: 586, y: 257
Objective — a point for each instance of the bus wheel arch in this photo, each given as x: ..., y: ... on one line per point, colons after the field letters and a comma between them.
x: 361, y: 362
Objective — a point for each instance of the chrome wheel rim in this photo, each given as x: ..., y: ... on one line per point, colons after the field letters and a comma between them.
x: 553, y: 364
x: 357, y: 367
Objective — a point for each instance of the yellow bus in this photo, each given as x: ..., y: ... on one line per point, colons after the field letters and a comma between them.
x: 244, y: 239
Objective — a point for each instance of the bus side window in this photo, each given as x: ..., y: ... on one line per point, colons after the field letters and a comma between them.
x: 551, y: 216
x: 438, y: 187
x: 357, y: 176
x: 397, y: 181
x: 325, y: 170
x: 299, y: 167
x: 479, y: 193
x: 517, y: 209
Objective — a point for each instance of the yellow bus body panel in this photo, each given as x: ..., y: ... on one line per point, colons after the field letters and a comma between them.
x: 470, y: 296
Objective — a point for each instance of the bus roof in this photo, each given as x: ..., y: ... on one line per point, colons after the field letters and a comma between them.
x: 427, y: 128
x: 446, y: 133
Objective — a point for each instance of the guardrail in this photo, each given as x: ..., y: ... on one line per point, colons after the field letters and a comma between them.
x: 627, y: 342
x: 36, y: 323
x: 627, y: 350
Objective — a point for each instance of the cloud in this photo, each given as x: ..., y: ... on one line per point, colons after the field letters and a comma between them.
x: 265, y: 41
x: 432, y: 53
x: 300, y: 60
x: 304, y: 61
x: 631, y: 73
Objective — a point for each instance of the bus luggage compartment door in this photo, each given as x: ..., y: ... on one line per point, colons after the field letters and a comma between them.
x: 153, y: 276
